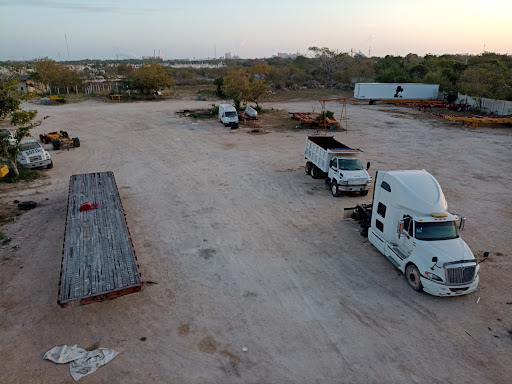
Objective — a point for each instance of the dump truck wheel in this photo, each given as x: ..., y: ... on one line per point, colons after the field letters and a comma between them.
x: 314, y: 172
x: 334, y: 189
x: 56, y: 144
x: 412, y: 275
x: 308, y: 168
x: 76, y: 142
x: 50, y: 166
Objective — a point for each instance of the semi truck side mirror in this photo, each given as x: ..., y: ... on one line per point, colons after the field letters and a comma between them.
x: 367, y: 165
x: 462, y: 222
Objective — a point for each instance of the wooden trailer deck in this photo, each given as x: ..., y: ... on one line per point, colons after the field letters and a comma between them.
x: 98, y: 259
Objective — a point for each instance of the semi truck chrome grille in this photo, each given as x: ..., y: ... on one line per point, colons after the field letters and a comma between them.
x: 35, y: 158
x: 460, y: 274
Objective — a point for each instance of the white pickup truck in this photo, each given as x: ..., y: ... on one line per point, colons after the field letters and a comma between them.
x: 31, y: 154
x: 327, y: 156
x: 408, y: 222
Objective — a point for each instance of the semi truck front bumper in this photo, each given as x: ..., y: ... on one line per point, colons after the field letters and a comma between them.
x: 37, y: 164
x: 437, y: 289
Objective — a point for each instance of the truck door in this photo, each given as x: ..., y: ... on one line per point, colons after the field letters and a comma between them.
x: 333, y: 169
x: 406, y: 237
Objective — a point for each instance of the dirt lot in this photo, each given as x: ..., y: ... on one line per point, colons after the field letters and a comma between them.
x: 239, y: 248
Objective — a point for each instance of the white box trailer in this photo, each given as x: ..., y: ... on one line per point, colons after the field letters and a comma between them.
x: 395, y: 91
x: 408, y: 222
x: 345, y: 173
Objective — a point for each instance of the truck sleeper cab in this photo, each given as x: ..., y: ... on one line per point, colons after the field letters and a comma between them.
x: 410, y: 225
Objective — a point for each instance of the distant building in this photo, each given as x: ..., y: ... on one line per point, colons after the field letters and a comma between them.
x: 227, y: 55
x: 288, y: 55
x: 154, y: 57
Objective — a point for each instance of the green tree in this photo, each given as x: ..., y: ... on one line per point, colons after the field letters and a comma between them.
x: 330, y: 61
x: 53, y: 74
x: 257, y: 90
x: 10, y: 110
x: 151, y: 77
x: 236, y: 86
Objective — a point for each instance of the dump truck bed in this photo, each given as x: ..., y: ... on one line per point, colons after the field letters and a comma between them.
x: 98, y: 258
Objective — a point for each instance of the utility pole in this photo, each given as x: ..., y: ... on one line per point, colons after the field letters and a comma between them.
x: 67, y: 47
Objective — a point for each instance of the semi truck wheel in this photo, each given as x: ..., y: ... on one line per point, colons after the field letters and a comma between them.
x: 308, y: 168
x: 334, y: 189
x: 412, y: 276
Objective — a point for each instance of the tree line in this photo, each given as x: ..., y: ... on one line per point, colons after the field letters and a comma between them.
x: 485, y: 75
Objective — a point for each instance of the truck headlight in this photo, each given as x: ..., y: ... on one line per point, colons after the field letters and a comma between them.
x: 343, y: 182
x: 433, y: 276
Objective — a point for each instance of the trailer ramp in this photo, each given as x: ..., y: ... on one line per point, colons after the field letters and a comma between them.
x: 98, y: 258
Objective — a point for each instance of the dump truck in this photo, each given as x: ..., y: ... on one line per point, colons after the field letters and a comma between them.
x: 395, y: 91
x: 339, y: 163
x: 409, y: 224
x: 31, y: 154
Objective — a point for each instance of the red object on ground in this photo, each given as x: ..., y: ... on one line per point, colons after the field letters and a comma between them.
x: 88, y: 206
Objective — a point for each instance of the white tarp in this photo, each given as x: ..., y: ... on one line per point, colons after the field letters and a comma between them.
x: 83, y: 362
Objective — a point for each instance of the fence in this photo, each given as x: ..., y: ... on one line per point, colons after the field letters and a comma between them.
x: 488, y: 106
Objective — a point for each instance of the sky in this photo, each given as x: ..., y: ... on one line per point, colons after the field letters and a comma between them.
x: 106, y: 29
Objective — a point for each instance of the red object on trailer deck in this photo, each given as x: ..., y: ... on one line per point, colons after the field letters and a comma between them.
x: 88, y: 206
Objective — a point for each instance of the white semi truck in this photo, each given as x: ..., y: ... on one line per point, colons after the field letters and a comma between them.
x: 408, y: 222
x: 327, y: 156
x: 395, y: 91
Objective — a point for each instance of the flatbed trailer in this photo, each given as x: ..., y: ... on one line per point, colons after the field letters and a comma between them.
x: 474, y: 120
x: 98, y: 258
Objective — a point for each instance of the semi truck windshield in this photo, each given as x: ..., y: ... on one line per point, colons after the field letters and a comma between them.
x: 444, y: 230
x: 349, y: 164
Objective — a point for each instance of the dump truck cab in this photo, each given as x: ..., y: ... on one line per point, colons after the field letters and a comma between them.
x: 31, y: 154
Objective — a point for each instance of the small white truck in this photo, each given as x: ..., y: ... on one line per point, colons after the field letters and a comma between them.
x: 228, y: 115
x: 408, y: 222
x: 327, y: 156
x: 31, y: 154
x: 395, y: 91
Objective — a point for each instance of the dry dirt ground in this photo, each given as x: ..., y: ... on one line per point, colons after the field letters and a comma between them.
x: 240, y: 249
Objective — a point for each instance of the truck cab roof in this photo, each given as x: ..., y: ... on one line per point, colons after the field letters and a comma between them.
x: 416, y: 190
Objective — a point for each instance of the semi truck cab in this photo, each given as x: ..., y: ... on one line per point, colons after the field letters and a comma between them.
x: 410, y: 225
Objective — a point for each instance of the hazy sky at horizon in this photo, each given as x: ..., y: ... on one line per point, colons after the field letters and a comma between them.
x: 191, y: 29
